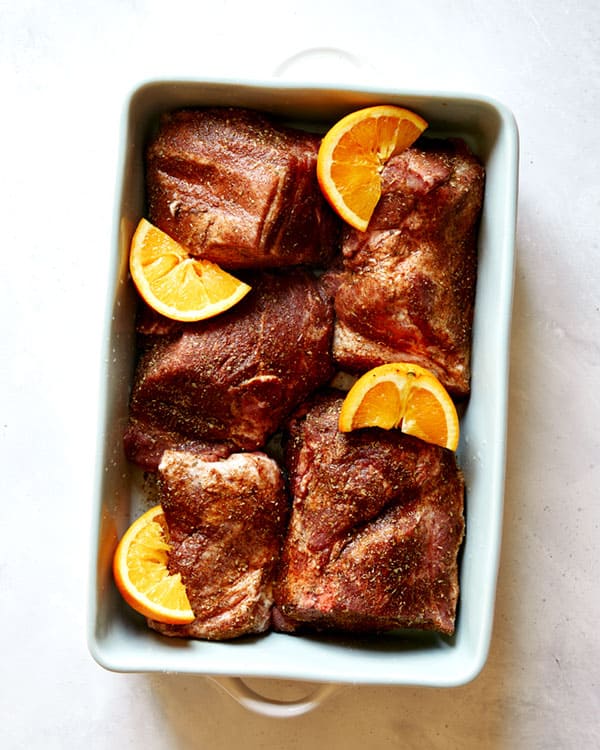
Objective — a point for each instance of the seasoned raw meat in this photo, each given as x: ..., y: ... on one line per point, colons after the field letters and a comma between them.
x: 233, y: 378
x: 237, y: 188
x: 225, y: 520
x: 405, y: 289
x: 376, y: 525
x: 145, y: 444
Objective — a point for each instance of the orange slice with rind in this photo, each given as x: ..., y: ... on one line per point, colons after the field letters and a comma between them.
x: 140, y: 569
x: 402, y: 396
x: 354, y: 152
x: 176, y: 285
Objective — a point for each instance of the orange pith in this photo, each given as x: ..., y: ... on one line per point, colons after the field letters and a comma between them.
x: 353, y: 153
x: 404, y: 396
x: 176, y: 285
x: 141, y: 573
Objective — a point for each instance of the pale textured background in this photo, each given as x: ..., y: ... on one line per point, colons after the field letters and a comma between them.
x: 65, y: 71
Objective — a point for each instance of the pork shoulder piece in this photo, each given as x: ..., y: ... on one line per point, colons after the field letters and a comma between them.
x: 234, y: 186
x: 375, y: 529
x: 234, y: 378
x: 406, y: 287
x: 225, y: 519
x: 145, y: 444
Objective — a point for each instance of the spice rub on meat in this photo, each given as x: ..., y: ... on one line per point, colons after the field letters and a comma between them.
x: 406, y: 287
x: 375, y: 528
x: 234, y: 378
x: 225, y: 519
x: 236, y: 187
x: 371, y: 541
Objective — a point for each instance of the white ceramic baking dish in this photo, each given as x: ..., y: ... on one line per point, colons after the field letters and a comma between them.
x: 118, y: 638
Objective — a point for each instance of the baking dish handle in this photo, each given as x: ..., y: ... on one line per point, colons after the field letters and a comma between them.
x: 311, y: 64
x: 253, y: 701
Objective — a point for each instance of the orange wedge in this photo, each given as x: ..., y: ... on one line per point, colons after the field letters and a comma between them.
x: 353, y: 153
x: 176, y: 285
x: 141, y: 573
x: 403, y: 396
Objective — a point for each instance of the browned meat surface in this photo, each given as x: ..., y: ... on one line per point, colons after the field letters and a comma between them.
x: 234, y: 186
x: 234, y: 378
x: 376, y: 525
x: 405, y: 289
x: 225, y: 520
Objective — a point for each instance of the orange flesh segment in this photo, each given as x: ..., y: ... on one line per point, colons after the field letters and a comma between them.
x: 380, y: 407
x: 353, y: 153
x: 140, y: 567
x: 424, y: 417
x: 404, y: 396
x: 176, y: 285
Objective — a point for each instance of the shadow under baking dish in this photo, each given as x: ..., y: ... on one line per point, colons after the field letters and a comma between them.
x: 118, y: 638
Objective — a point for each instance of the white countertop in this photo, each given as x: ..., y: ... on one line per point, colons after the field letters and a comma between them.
x: 66, y: 69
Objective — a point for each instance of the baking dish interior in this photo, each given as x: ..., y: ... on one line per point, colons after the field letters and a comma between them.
x: 118, y: 638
